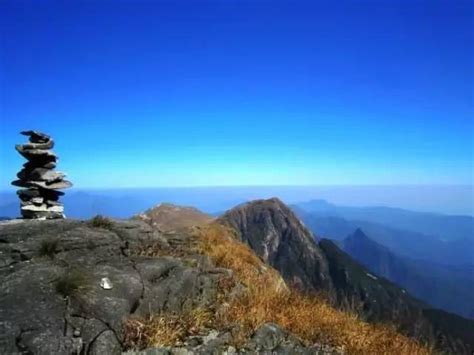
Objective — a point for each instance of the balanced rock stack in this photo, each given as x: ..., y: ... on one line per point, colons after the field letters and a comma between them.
x: 39, y: 198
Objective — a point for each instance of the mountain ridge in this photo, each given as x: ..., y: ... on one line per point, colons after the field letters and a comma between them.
x: 434, y: 271
x: 444, y: 292
x: 445, y: 227
x: 380, y: 299
x: 274, y: 245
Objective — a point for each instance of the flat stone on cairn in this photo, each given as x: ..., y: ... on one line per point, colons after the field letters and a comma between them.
x: 39, y: 196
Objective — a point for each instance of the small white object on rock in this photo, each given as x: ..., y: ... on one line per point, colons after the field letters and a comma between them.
x: 105, y: 283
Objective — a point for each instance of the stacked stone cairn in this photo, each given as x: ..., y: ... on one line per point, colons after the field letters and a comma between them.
x: 40, y: 183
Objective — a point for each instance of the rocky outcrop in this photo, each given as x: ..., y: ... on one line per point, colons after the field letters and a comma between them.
x: 273, y: 231
x: 68, y: 287
x: 51, y: 299
x: 167, y: 217
x: 39, y: 198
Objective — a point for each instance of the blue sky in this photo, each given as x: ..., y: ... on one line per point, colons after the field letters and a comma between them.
x: 189, y: 93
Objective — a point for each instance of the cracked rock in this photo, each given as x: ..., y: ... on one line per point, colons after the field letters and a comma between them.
x: 40, y: 315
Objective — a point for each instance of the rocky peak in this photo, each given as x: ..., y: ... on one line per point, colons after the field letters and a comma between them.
x: 359, y: 243
x: 358, y: 234
x: 168, y: 217
x: 274, y: 232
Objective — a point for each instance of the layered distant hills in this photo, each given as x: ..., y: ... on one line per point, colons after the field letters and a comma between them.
x: 442, y: 227
x: 447, y: 287
x: 438, y: 269
x: 403, y: 242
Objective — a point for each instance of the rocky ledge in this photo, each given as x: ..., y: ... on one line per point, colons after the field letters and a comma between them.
x: 68, y: 286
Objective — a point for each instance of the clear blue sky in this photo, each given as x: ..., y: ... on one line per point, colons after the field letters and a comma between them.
x: 183, y: 93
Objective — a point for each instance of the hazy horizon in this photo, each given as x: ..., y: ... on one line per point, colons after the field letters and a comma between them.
x: 443, y: 199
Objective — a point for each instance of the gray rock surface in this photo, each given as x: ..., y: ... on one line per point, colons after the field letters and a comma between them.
x: 41, y: 174
x: 64, y: 184
x: 31, y: 210
x: 269, y: 339
x: 32, y: 154
x: 39, y: 316
x: 52, y: 301
x: 33, y: 165
x: 50, y: 195
x: 36, y: 137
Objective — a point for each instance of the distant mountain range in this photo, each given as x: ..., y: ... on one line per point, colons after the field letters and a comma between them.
x: 410, y: 238
x: 443, y: 227
x: 446, y: 287
x: 403, y: 242
x: 436, y: 271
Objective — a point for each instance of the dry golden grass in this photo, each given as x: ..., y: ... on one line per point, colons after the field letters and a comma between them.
x: 165, y: 329
x: 310, y: 317
x: 167, y: 217
x: 265, y: 298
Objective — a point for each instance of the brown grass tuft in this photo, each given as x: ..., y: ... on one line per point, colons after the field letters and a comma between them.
x: 101, y: 222
x: 165, y: 329
x: 72, y: 282
x: 49, y: 247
